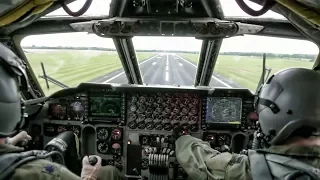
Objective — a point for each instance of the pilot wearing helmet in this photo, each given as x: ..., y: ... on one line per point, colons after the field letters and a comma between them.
x: 16, y: 164
x: 288, y: 105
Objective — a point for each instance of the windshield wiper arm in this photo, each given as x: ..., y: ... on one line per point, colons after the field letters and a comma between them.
x: 263, y: 74
x: 50, y: 79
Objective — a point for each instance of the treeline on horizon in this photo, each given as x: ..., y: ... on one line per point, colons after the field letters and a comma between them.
x: 311, y: 57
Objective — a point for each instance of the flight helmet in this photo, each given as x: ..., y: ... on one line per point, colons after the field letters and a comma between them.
x: 12, y: 79
x: 287, y: 102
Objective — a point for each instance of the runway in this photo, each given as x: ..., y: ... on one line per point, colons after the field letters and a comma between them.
x: 164, y: 69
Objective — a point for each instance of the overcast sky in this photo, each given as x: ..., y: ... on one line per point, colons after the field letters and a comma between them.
x: 236, y: 44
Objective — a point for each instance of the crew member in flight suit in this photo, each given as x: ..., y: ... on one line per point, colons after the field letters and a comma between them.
x: 288, y: 106
x: 13, y: 78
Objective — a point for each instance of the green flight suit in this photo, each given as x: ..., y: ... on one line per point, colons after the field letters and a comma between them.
x: 47, y: 170
x: 200, y: 161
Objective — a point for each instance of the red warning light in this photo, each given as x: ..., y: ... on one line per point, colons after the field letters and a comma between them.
x: 253, y: 116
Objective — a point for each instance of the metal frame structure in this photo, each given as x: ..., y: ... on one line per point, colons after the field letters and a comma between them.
x: 209, y: 50
x: 128, y: 59
x: 207, y: 60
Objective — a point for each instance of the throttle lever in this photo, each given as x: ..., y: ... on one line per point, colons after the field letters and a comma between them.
x: 93, y: 160
x: 135, y: 170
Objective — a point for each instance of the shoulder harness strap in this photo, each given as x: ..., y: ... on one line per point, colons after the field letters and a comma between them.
x: 294, y: 164
x: 258, y: 165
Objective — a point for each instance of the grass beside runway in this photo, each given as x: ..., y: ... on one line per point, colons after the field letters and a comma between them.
x: 246, y: 70
x: 72, y: 67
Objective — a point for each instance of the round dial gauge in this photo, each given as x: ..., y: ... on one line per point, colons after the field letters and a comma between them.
x: 158, y: 126
x: 58, y: 111
x: 176, y: 110
x: 149, y: 126
x: 158, y: 110
x: 116, y: 134
x: 141, y: 117
x: 142, y: 99
x: 184, y: 111
x: 176, y: 125
x: 76, y: 110
x: 141, y: 125
x: 193, y: 120
x: 141, y: 109
x: 132, y: 116
x: 103, y: 134
x: 193, y: 111
x: 194, y: 127
x: 134, y: 99
x: 103, y: 147
x: 186, y: 101
x: 133, y: 108
x: 167, y: 110
x: 132, y: 125
x: 159, y: 100
x: 150, y: 100
x: 184, y: 120
x: 149, y: 111
x: 167, y: 127
x: 148, y: 120
x: 169, y: 100
x: 195, y: 101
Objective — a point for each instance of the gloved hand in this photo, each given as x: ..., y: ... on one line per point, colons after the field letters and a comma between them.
x: 90, y: 172
x: 21, y: 136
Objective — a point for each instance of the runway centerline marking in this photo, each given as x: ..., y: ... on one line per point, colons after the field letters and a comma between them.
x: 220, y: 81
x: 123, y: 71
x: 180, y: 64
x: 167, y: 68
x: 154, y: 63
x: 167, y: 76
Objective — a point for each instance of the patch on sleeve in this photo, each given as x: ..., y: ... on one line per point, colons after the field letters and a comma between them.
x: 49, y: 169
x: 236, y: 159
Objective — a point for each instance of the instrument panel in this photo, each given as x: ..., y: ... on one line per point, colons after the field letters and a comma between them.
x: 163, y: 111
x: 130, y: 127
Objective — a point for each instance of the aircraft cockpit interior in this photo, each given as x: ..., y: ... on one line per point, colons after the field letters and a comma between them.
x: 123, y: 75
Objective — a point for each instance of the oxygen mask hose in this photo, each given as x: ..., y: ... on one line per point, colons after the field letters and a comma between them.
x: 268, y: 4
x: 84, y: 8
x: 255, y: 141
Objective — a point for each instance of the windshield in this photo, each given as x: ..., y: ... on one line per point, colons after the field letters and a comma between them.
x: 167, y: 67
x: 239, y: 64
x: 73, y: 58
x: 162, y: 60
